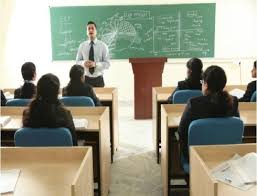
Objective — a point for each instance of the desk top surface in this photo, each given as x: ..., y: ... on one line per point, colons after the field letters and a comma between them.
x: 212, y: 156
x: 43, y: 171
x: 174, y: 111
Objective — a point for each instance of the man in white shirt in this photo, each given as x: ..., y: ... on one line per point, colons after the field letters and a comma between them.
x: 93, y: 54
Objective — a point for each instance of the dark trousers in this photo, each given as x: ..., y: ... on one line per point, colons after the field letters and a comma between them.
x: 95, y: 82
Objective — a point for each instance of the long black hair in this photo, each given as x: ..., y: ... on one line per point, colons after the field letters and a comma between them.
x: 216, y: 79
x: 28, y: 71
x: 195, y: 65
x: 43, y: 107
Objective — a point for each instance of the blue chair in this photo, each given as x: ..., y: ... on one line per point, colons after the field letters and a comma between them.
x: 77, y: 101
x: 43, y: 137
x: 210, y: 131
x: 18, y: 102
x: 253, y: 98
x: 182, y: 96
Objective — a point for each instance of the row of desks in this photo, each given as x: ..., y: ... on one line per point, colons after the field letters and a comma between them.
x: 171, y: 114
x: 96, y: 135
x: 160, y: 96
x: 108, y: 97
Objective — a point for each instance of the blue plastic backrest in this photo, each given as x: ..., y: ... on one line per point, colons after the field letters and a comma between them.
x: 182, y: 96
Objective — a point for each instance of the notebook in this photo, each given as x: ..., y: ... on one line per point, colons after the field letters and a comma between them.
x: 237, y: 93
x: 4, y: 120
x: 8, y: 180
x: 80, y: 123
x: 238, y: 171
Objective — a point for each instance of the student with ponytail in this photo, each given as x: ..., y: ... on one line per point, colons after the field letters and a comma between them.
x: 194, y: 75
x: 77, y: 85
x: 28, y: 90
x: 45, y: 109
x: 214, y: 103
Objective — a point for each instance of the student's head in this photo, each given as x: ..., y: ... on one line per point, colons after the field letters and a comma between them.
x: 48, y: 88
x: 91, y: 30
x: 214, y: 80
x: 194, y: 69
x: 77, y: 73
x: 254, y: 69
x: 213, y: 83
x: 28, y: 71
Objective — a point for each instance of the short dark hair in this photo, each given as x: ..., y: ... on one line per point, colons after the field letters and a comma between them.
x: 91, y: 22
x: 254, y: 64
x: 28, y: 70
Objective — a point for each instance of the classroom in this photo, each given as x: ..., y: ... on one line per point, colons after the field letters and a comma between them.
x: 127, y: 81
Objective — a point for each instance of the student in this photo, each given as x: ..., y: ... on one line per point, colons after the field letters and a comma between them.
x: 251, y: 87
x: 46, y: 110
x: 77, y: 85
x: 214, y: 103
x: 28, y: 90
x: 194, y: 75
x: 3, y: 99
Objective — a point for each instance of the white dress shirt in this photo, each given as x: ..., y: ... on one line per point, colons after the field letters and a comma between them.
x: 101, y: 56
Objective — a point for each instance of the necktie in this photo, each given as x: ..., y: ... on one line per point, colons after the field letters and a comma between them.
x: 91, y: 57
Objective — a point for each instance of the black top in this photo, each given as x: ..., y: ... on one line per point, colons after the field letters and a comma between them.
x: 29, y: 90
x: 251, y: 88
x: 199, y: 108
x: 80, y: 89
x: 60, y: 117
x: 3, y: 99
x: 184, y: 85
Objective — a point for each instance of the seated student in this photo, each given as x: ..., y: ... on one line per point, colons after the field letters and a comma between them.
x: 214, y: 103
x: 77, y: 85
x: 45, y: 110
x: 28, y: 90
x: 3, y: 99
x: 251, y: 87
x: 194, y: 75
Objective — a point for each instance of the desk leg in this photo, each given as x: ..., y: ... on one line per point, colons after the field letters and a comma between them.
x: 249, y: 134
x: 175, y: 171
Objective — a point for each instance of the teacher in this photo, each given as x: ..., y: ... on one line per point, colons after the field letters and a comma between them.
x: 93, y: 54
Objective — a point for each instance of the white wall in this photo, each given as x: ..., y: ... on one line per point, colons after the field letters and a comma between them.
x: 27, y: 38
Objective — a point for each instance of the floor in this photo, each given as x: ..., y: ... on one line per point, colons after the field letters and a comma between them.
x: 134, y: 171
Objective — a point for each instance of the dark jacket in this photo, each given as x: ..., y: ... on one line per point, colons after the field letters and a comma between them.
x: 251, y: 88
x: 80, y: 89
x: 27, y: 91
x: 199, y: 108
x: 184, y: 85
x: 3, y: 99
x: 60, y: 117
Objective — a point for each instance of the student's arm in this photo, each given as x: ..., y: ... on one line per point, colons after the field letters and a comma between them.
x: 186, y: 119
x: 94, y: 97
x: 3, y: 99
x: 170, y: 99
x: 105, y: 59
x: 71, y: 127
x: 251, y: 88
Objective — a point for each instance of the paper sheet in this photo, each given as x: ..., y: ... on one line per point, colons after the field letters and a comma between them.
x: 8, y: 180
x: 80, y: 122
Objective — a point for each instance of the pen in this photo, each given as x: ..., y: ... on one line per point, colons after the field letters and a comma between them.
x: 249, y: 183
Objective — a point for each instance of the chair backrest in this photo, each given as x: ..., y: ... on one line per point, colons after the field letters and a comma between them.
x: 182, y: 96
x: 228, y: 130
x: 253, y: 98
x: 77, y: 101
x: 18, y: 102
x: 43, y: 137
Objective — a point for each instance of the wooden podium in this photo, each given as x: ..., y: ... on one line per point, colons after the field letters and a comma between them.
x: 147, y: 74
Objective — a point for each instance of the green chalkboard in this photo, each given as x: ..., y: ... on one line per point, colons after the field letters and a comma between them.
x: 174, y: 31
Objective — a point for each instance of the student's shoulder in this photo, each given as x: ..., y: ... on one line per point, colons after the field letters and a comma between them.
x: 183, y: 85
x: 199, y: 102
x: 252, y: 84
